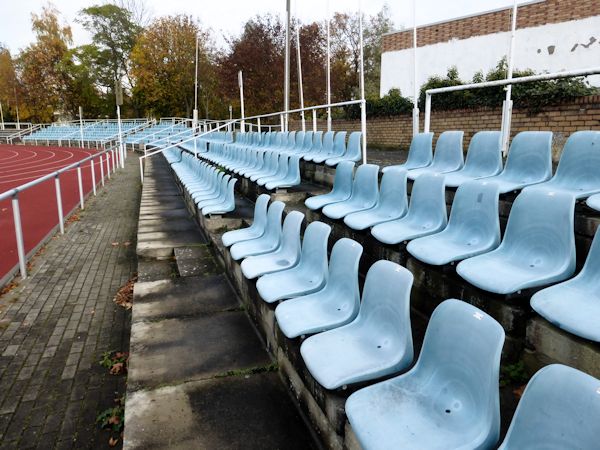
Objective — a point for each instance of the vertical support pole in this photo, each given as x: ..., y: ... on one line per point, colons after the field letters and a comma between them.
x: 195, y: 119
x: 507, y: 106
x: 243, y: 114
x: 81, y: 125
x: 61, y: 223
x: 363, y: 105
x: 230, y: 119
x: 328, y: 71
x: 80, y: 183
x: 93, y: 176
x: 286, y: 82
x: 102, y: 170
x: 107, y: 165
x: 427, y: 123
x: 314, y: 120
x: 122, y: 155
x: 1, y: 116
x: 415, y: 71
x: 19, y: 236
x: 258, y: 125
x: 17, y: 109
x: 281, y: 120
x: 300, y: 88
x: 142, y: 170
x: 114, y: 155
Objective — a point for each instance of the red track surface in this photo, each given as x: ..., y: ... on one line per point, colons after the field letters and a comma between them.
x: 39, y: 213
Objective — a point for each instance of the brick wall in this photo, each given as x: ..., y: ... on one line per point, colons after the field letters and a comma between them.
x: 579, y: 114
x: 532, y: 15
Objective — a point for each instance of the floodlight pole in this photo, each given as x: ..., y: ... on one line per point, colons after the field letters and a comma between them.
x: 195, y: 119
x: 507, y: 106
x: 81, y: 125
x: 415, y: 85
x: 286, y: 84
x: 17, y: 109
x: 241, y: 83
x: 119, y: 102
x: 363, y: 105
x: 1, y: 116
x: 300, y: 89
x: 328, y: 71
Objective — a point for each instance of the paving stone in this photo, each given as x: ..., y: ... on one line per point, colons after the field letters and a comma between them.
x: 182, y: 297
x: 175, y: 350
x: 241, y: 412
x: 152, y: 270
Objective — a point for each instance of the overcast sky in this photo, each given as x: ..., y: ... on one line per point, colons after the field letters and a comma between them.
x: 227, y: 16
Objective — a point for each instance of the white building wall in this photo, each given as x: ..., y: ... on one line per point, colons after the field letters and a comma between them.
x: 548, y: 48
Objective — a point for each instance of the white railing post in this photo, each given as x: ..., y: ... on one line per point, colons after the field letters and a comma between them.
x: 59, y: 204
x: 93, y: 176
x: 427, y: 124
x: 102, y: 170
x: 108, y: 165
x: 80, y: 183
x: 141, y: 170
x: 363, y: 126
x: 314, y: 120
x: 19, y: 236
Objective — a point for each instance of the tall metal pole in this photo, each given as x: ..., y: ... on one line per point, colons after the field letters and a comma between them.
x: 230, y: 117
x: 81, y: 125
x: 286, y: 83
x: 363, y: 105
x: 195, y: 119
x: 415, y: 85
x: 328, y: 75
x: 300, y: 88
x: 1, y: 116
x: 241, y: 83
x: 17, y: 109
x: 19, y: 236
x: 507, y: 107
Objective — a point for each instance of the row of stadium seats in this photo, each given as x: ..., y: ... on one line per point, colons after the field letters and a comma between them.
x: 160, y: 134
x: 211, y: 190
x: 450, y: 397
x: 97, y: 131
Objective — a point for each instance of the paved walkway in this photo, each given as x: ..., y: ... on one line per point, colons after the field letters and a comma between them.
x: 55, y: 326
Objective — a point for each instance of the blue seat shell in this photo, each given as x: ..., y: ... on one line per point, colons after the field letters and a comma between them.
x: 377, y: 343
x: 333, y: 306
x: 473, y: 227
x: 538, y: 247
x: 342, y: 187
x: 448, y: 156
x: 560, y: 409
x: 420, y: 153
x: 255, y: 230
x: 449, y: 399
x: 484, y: 159
x: 365, y: 190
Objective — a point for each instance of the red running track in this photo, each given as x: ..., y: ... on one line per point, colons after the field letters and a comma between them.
x: 39, y: 213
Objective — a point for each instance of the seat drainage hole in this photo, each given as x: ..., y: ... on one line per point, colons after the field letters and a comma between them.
x: 379, y: 346
x: 448, y: 411
x: 531, y: 265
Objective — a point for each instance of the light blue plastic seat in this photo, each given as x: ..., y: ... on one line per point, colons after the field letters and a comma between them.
x: 266, y: 243
x: 594, y: 202
x: 290, y: 178
x: 449, y: 399
x: 224, y: 203
x: 426, y: 215
x: 342, y: 187
x: 574, y: 305
x: 448, y: 156
x: 215, y: 193
x: 287, y: 254
x: 308, y: 276
x: 560, y: 409
x: 280, y: 172
x: 365, y: 190
x: 578, y: 171
x: 353, y: 150
x: 473, y: 227
x: 333, y: 306
x: 392, y: 203
x: 484, y: 159
x: 420, y: 153
x: 320, y: 140
x: 529, y: 161
x: 377, y: 343
x: 255, y: 230
x: 338, y: 148
x: 538, y: 246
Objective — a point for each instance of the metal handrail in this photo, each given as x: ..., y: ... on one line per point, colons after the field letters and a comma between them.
x: 111, y: 156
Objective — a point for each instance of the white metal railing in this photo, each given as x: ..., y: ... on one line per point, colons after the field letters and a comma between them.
x: 281, y: 114
x: 13, y: 194
x: 507, y: 82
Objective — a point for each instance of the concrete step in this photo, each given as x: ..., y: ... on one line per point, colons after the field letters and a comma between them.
x: 195, y: 261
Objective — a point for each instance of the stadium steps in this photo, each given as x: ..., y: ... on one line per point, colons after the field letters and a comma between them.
x: 199, y: 374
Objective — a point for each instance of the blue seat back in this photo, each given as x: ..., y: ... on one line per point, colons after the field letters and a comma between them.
x: 354, y: 149
x: 428, y: 199
x: 529, y: 158
x: 291, y: 244
x: 339, y: 143
x: 474, y: 218
x: 385, y: 308
x: 317, y: 143
x: 308, y: 141
x: 420, y: 152
x: 299, y: 140
x: 579, y: 165
x: 273, y: 229
x: 343, y: 270
x: 328, y: 142
x: 460, y: 359
x: 484, y: 157
x: 342, y: 183
x: 540, y: 229
x: 314, y: 248
x: 560, y: 409
x: 392, y: 192
x: 259, y: 220
x: 449, y: 151
x: 365, y: 187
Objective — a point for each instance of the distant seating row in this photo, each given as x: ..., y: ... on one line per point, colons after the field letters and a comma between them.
x: 210, y: 188
x: 449, y: 399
